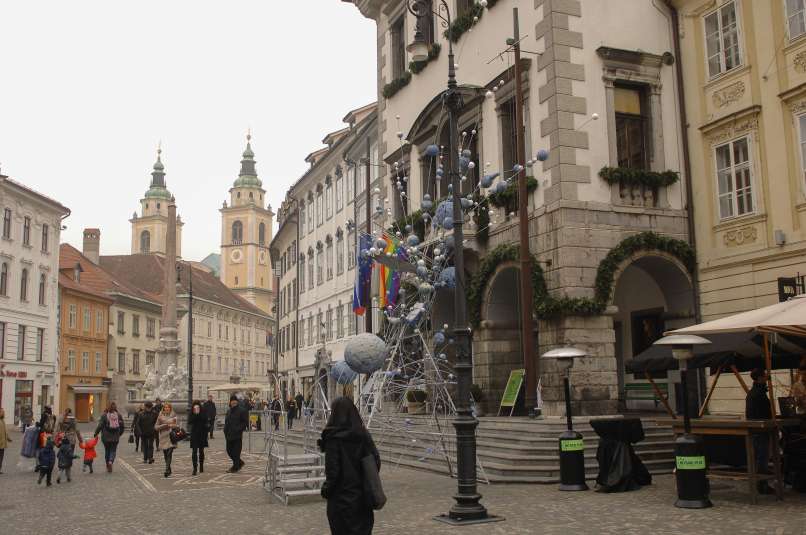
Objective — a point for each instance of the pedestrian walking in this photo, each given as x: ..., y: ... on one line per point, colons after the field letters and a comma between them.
x: 67, y: 427
x: 47, y: 422
x: 197, y: 420
x: 45, y: 461
x: 235, y: 424
x: 136, y: 428
x: 210, y: 413
x: 276, y: 409
x: 291, y: 410
x: 26, y: 417
x: 65, y: 459
x: 165, y: 423
x: 110, y: 427
x: 345, y: 441
x: 89, y: 453
x: 300, y: 400
x: 4, y: 438
x: 146, y: 424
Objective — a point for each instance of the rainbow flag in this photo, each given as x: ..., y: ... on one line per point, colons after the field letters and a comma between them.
x: 390, y: 278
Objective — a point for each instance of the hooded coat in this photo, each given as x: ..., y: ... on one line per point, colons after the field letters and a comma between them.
x: 236, y: 422
x: 65, y: 454
x: 46, y: 457
x: 344, y: 485
x: 198, y: 429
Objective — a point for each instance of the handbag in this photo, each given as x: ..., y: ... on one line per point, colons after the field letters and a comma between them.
x: 131, y: 438
x: 178, y: 435
x: 373, y: 489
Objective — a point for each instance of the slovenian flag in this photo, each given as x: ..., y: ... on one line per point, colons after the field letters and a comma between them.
x: 363, y: 277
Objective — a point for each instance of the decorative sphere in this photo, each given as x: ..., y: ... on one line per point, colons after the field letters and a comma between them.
x: 365, y: 353
x: 439, y: 339
x: 447, y: 223
x: 471, y: 165
x: 489, y: 94
x: 413, y: 240
x: 448, y: 277
x: 342, y: 373
x: 483, y: 3
x: 380, y: 244
x: 437, y: 251
x: 431, y: 150
x: 425, y: 290
x: 445, y: 209
x: 422, y: 272
x: 408, y: 228
x: 542, y: 155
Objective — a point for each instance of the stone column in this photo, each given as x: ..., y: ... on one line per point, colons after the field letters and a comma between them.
x: 169, y: 347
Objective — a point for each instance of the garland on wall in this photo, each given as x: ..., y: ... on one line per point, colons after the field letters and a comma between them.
x: 638, y: 177
x: 396, y: 85
x: 544, y: 305
x: 509, y: 197
x: 467, y: 20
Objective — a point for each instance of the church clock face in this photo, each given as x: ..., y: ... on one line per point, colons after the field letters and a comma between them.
x: 236, y: 255
x: 262, y: 257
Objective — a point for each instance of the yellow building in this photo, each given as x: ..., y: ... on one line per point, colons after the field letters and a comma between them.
x: 149, y: 229
x: 246, y: 231
x: 84, y: 329
x: 744, y: 64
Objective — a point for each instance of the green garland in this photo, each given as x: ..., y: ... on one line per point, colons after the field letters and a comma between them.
x: 638, y: 177
x: 508, y: 197
x: 416, y: 67
x: 396, y: 85
x: 545, y: 306
x: 466, y: 20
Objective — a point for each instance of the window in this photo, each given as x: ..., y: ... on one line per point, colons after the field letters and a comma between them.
x: 136, y: 362
x: 320, y: 331
x: 42, y: 288
x: 24, y: 285
x: 99, y: 322
x: 2, y: 340
x: 44, y: 238
x: 301, y: 273
x: 145, y: 242
x: 302, y: 215
x: 329, y: 198
x: 26, y: 231
x: 218, y: 365
x: 329, y: 323
x: 151, y: 327
x: 319, y: 218
x: 348, y: 313
x: 310, y: 329
x: 122, y: 360
x: 219, y: 331
x: 150, y: 358
x: 734, y: 178
x: 802, y: 125
x: 351, y: 250
x: 319, y: 264
x: 40, y: 344
x: 85, y: 361
x: 630, y: 128
x: 7, y: 223
x: 4, y: 279
x: 209, y: 329
x: 339, y: 252
x: 121, y: 322
x: 261, y: 234
x: 350, y: 183
x: 237, y: 233
x: 310, y: 268
x: 397, y: 32
x: 329, y: 257
x: 71, y: 360
x: 97, y: 362
x: 301, y: 333
x: 208, y: 363
x: 135, y: 325
x: 21, y: 342
x: 339, y: 319
x: 311, y: 214
x: 71, y: 316
x: 86, y: 325
x: 339, y: 190
x: 722, y: 39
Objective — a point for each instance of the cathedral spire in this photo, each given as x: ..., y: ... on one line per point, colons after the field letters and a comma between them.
x: 248, y: 175
x: 157, y: 187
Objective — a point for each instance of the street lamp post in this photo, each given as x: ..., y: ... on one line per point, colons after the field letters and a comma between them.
x: 190, y: 329
x: 689, y: 451
x: 572, y: 447
x: 468, y: 508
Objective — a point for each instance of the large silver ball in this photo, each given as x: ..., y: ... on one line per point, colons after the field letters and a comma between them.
x: 365, y: 353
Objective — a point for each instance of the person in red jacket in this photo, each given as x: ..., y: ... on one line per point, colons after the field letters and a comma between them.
x: 89, y: 453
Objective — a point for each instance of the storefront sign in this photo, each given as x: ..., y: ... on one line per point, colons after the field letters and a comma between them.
x: 8, y: 373
x: 513, y: 388
x: 696, y: 462
x: 572, y: 445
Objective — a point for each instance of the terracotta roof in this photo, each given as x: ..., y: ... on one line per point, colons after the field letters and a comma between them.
x: 147, y: 272
x: 94, y: 279
x: 67, y: 282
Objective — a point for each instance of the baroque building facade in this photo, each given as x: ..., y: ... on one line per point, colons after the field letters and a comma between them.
x: 29, y: 271
x: 607, y: 209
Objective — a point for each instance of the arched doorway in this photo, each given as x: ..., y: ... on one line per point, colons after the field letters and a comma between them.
x: 653, y: 294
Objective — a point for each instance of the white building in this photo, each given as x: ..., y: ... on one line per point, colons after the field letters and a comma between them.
x: 29, y: 270
x: 314, y: 251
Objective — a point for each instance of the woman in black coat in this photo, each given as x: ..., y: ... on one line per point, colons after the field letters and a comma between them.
x: 198, y: 435
x: 345, y: 442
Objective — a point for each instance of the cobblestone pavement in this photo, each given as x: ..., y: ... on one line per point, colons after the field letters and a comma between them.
x: 137, y: 499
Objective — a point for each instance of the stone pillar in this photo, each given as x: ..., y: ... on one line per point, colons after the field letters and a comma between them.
x: 168, y: 351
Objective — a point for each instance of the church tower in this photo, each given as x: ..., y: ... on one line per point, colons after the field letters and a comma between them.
x: 246, y: 232
x: 149, y: 229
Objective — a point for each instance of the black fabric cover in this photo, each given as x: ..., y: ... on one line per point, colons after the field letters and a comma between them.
x: 620, y: 469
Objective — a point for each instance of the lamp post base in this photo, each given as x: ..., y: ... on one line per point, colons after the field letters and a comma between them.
x: 457, y: 519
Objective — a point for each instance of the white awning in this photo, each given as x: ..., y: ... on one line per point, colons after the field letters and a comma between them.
x: 89, y: 389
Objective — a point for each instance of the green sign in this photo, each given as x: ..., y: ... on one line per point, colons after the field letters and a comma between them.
x: 572, y: 445
x: 513, y: 387
x: 691, y: 463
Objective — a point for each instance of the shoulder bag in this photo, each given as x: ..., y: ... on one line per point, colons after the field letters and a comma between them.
x: 373, y: 489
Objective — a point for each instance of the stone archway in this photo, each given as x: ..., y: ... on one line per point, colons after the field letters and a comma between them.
x: 652, y: 294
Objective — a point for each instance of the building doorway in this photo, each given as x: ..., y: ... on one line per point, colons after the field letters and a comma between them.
x: 23, y: 398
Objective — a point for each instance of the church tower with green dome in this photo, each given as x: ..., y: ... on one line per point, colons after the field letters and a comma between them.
x: 149, y: 229
x: 246, y: 232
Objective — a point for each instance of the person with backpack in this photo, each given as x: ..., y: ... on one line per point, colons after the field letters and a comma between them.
x: 346, y: 443
x: 45, y: 460
x: 110, y: 427
x: 65, y: 458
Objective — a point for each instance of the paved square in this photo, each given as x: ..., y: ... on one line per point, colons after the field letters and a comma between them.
x: 137, y: 499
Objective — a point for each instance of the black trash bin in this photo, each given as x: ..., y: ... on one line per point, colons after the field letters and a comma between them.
x: 620, y: 469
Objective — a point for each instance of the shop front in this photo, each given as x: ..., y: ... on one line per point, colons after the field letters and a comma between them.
x: 88, y: 401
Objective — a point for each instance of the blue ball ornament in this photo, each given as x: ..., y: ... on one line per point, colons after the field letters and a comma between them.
x: 466, y: 153
x: 439, y: 339
x: 447, y: 223
x: 432, y: 150
x: 342, y: 373
x: 542, y: 155
x: 413, y: 240
x: 448, y: 277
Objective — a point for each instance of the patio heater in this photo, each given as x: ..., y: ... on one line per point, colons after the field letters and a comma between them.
x: 572, y: 446
x: 689, y: 452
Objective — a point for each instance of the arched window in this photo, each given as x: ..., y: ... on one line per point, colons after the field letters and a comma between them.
x: 339, y: 252
x: 4, y: 279
x: 145, y: 242
x: 261, y: 234
x: 42, y: 289
x: 24, y: 285
x: 237, y: 233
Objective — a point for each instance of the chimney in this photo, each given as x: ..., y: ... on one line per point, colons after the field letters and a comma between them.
x: 92, y: 244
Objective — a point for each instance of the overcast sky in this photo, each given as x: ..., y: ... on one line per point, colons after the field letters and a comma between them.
x: 89, y: 87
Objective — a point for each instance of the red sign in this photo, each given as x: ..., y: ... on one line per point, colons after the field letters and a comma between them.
x: 21, y: 375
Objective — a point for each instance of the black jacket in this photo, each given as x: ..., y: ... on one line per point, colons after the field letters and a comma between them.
x: 209, y: 409
x: 236, y: 422
x: 136, y: 423
x: 198, y: 430
x: 344, y: 484
x: 65, y: 454
x: 757, y: 404
x: 146, y: 422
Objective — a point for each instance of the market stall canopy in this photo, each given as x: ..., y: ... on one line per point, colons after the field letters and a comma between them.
x: 788, y: 317
x: 744, y: 350
x: 238, y: 387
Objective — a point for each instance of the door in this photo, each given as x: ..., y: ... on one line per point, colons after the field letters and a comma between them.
x: 82, y: 407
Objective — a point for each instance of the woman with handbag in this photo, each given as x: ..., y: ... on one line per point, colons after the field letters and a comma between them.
x: 352, y: 463
x: 166, y: 422
x: 197, y: 420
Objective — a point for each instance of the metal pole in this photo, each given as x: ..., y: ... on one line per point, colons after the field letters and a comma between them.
x: 368, y: 208
x: 190, y: 338
x: 567, y: 385
x: 525, y: 258
x: 684, y: 395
